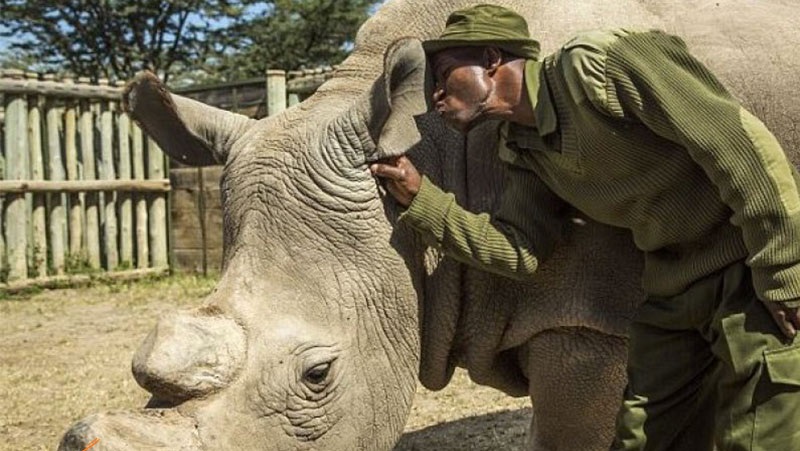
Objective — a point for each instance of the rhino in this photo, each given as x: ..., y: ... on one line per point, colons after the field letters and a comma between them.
x: 328, y: 310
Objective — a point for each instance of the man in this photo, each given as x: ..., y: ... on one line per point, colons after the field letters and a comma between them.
x: 632, y: 130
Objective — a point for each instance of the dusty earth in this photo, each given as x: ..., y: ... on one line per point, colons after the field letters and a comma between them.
x: 66, y: 353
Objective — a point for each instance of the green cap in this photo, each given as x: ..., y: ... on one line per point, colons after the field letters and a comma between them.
x: 486, y: 25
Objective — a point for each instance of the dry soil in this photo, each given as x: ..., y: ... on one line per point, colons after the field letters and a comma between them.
x: 66, y: 353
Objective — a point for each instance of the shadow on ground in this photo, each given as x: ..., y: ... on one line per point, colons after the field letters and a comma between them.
x: 494, y: 431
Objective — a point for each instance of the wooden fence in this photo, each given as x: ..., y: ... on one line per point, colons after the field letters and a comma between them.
x: 82, y: 189
x: 259, y: 97
x: 85, y: 194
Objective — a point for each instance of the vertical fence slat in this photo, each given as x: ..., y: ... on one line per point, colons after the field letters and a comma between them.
x: 157, y: 213
x: 55, y: 169
x: 201, y: 208
x: 142, y: 244
x: 276, y: 91
x: 125, y: 207
x: 92, y: 222
x: 39, y: 206
x: 16, y: 214
x: 97, y: 110
x: 75, y: 226
x: 3, y: 262
x: 109, y: 198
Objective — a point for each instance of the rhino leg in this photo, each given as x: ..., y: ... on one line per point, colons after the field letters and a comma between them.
x: 576, y: 378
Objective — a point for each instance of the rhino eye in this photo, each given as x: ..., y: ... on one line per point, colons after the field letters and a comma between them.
x: 318, y: 374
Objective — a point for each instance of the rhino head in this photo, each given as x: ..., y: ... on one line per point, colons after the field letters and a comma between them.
x: 309, y: 341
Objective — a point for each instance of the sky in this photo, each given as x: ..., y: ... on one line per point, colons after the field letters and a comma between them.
x: 3, y: 41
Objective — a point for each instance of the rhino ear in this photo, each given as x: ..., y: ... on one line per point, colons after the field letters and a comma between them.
x: 399, y: 96
x: 189, y: 131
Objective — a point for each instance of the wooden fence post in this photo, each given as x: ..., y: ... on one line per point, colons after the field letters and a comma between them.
x: 157, y: 213
x: 16, y: 158
x: 3, y: 262
x: 38, y: 251
x: 276, y: 91
x: 92, y: 231
x: 56, y: 206
x: 76, y: 219
x: 107, y: 172
x: 125, y: 205
x: 142, y: 244
x: 201, y: 206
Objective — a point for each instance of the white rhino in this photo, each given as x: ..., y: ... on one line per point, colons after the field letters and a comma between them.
x: 328, y: 310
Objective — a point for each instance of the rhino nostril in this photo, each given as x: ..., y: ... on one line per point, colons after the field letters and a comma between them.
x: 187, y: 356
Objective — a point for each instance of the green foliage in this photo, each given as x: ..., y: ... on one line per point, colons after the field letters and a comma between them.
x: 293, y: 34
x: 182, y: 40
x: 21, y: 61
x: 114, y: 38
x: 78, y: 264
x: 124, y: 266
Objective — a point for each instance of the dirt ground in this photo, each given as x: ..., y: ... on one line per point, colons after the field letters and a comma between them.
x: 66, y: 353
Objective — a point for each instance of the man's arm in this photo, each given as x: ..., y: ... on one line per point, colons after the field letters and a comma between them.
x: 512, y: 243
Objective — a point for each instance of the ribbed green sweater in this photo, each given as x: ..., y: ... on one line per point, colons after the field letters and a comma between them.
x: 636, y: 133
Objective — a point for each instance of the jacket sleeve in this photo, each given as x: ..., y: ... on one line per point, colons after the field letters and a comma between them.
x: 652, y: 78
x: 512, y: 243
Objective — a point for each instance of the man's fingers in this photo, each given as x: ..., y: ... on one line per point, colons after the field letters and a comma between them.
x: 402, y: 175
x: 786, y: 326
x: 793, y: 316
x: 388, y: 171
x: 399, y: 195
x: 784, y: 317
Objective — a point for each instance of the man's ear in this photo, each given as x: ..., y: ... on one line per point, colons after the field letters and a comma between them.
x: 401, y: 94
x: 493, y: 58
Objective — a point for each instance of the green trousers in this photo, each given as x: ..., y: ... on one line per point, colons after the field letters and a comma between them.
x: 710, y: 366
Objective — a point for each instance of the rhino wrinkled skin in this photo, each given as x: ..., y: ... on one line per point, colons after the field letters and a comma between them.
x: 327, y: 311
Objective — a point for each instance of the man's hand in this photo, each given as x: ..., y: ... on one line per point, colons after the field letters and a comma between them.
x: 402, y: 178
x: 787, y: 318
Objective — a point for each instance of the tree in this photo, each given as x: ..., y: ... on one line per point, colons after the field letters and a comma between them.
x: 115, y: 38
x: 292, y: 34
x: 182, y: 40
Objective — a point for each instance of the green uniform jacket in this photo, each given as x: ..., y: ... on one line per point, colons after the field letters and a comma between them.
x: 636, y: 133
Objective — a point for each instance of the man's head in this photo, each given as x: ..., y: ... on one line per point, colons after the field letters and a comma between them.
x: 467, y: 59
x: 465, y: 88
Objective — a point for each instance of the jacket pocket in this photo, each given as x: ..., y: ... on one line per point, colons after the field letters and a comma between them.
x: 783, y: 365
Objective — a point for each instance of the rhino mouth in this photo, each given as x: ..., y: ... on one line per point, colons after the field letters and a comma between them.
x: 156, y: 402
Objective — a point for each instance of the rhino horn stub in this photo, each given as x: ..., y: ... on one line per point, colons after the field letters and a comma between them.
x: 188, y: 356
x: 151, y: 430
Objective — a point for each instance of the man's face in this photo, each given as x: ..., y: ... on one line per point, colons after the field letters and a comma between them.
x: 463, y: 86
